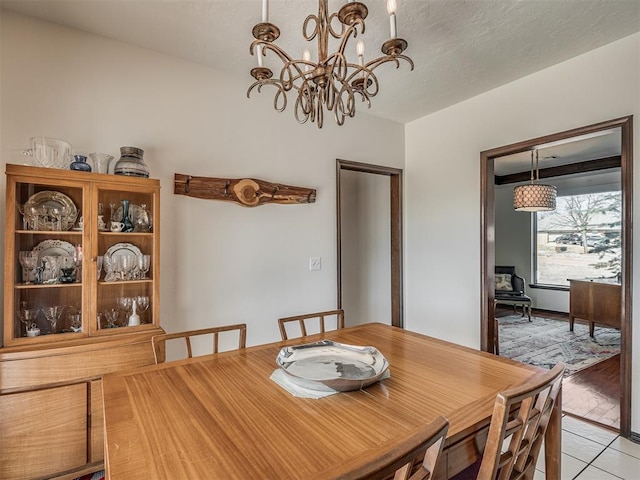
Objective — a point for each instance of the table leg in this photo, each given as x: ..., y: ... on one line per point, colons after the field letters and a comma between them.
x: 553, y: 441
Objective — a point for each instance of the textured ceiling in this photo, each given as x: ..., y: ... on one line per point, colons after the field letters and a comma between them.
x: 461, y: 48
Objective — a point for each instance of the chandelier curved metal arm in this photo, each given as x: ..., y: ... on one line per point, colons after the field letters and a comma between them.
x: 331, y: 82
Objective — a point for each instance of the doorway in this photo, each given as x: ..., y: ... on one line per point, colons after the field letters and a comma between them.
x: 375, y: 276
x: 488, y: 255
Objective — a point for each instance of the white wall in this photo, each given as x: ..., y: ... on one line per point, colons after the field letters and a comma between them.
x: 513, y: 235
x: 443, y: 217
x: 221, y: 263
x: 366, y: 247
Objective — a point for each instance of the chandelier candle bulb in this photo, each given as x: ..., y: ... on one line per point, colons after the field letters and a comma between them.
x: 265, y: 11
x: 306, y: 56
x: 360, y: 51
x: 391, y: 8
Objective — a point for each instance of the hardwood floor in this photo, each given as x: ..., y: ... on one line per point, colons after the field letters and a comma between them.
x: 592, y: 394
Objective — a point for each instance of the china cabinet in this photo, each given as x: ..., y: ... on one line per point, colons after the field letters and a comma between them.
x: 64, y: 271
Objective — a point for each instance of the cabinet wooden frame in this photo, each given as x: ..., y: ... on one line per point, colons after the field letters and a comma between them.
x: 87, y: 191
x: 50, y: 385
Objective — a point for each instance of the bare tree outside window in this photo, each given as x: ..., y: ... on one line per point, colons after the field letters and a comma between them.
x: 580, y: 239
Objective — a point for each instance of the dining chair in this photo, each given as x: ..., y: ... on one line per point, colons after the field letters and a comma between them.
x: 159, y: 341
x: 518, y: 425
x: 412, y: 458
x: 305, y: 320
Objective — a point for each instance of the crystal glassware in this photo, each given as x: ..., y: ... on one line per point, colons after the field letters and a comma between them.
x: 25, y: 217
x: 144, y: 263
x: 100, y: 161
x: 29, y: 260
x: 75, y: 320
x: 111, y: 314
x: 78, y: 256
x: 53, y: 314
x: 143, y: 304
x: 50, y: 152
x: 142, y: 221
x: 125, y: 265
x: 109, y: 264
x: 28, y: 317
x: 34, y: 213
x: 125, y: 304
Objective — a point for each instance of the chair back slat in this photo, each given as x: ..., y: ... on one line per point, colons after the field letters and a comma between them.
x: 522, y: 413
x: 303, y: 321
x: 159, y: 341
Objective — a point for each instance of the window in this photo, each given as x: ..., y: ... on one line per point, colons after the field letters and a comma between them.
x: 580, y: 239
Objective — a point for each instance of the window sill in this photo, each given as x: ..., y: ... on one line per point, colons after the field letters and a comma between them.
x: 561, y: 288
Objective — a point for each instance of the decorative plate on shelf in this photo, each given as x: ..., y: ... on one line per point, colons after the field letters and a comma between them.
x: 47, y: 200
x: 54, y: 248
x: 51, y: 248
x: 123, y: 249
x: 335, y: 365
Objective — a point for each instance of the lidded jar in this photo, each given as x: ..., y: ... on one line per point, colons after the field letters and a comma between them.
x: 131, y: 163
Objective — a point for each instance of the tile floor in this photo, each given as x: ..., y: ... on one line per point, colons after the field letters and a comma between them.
x: 594, y: 453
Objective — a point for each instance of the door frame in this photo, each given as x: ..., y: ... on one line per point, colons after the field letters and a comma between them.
x: 488, y: 243
x: 395, y: 189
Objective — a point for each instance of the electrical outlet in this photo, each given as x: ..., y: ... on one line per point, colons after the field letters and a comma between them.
x: 315, y: 263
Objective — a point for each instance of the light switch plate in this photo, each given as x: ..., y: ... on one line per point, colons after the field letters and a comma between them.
x: 315, y: 263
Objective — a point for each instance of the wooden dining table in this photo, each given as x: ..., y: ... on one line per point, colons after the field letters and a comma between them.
x: 221, y: 416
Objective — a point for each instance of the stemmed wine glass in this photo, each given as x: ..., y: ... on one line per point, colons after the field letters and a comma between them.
x: 29, y: 261
x: 126, y: 264
x: 56, y: 213
x: 25, y: 216
x: 77, y: 259
x: 53, y: 314
x: 143, y: 303
x: 111, y: 314
x: 34, y: 214
x: 109, y: 268
x: 28, y: 317
x: 144, y: 263
x: 126, y: 305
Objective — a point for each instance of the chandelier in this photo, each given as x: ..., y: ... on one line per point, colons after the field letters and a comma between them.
x: 534, y: 197
x: 332, y: 82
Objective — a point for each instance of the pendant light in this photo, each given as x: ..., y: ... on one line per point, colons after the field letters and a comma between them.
x: 534, y: 197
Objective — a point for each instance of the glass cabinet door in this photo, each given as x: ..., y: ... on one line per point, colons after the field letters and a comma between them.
x: 45, y: 259
x: 126, y: 253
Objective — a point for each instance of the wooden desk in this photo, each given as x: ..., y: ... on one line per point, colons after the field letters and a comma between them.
x: 220, y: 416
x: 595, y: 302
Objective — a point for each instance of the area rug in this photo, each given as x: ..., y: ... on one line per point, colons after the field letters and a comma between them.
x: 545, y: 342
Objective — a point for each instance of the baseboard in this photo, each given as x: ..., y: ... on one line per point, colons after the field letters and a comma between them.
x: 634, y: 437
x: 542, y: 311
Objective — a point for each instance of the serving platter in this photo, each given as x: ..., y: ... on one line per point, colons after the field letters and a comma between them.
x: 330, y: 364
x: 45, y: 201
